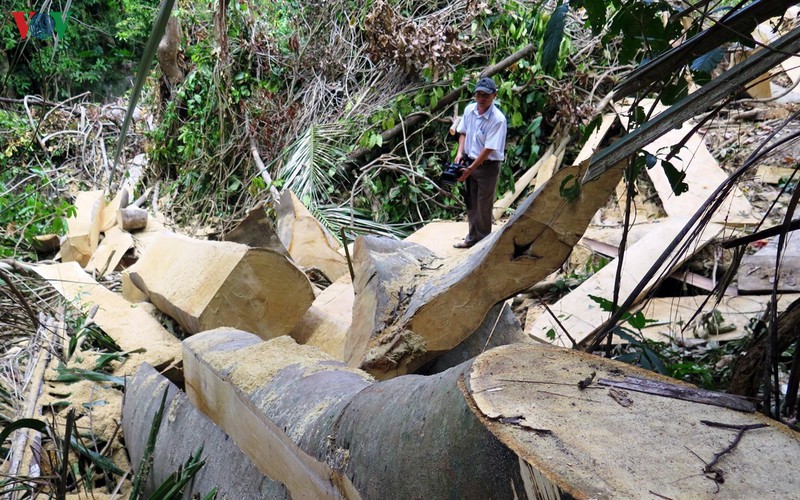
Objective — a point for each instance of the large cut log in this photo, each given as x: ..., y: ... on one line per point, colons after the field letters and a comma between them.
x: 256, y: 230
x: 512, y: 423
x: 500, y: 327
x: 308, y: 242
x: 411, y: 307
x: 327, y: 321
x: 131, y: 327
x: 183, y: 431
x: 206, y: 284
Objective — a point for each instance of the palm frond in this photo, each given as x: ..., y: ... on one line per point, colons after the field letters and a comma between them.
x: 314, y: 160
x: 356, y: 222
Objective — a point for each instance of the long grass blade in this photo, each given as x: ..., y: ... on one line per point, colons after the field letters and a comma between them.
x: 159, y: 26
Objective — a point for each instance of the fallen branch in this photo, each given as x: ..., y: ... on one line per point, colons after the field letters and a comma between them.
x: 741, y: 428
x: 412, y: 121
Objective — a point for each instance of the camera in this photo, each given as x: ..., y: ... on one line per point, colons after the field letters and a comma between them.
x: 451, y: 172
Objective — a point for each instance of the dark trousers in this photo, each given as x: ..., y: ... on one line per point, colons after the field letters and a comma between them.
x: 479, y: 198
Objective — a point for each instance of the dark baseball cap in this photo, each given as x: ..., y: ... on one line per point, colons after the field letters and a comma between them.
x: 486, y: 85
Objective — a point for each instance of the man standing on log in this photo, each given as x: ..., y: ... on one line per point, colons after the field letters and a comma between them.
x: 481, y: 145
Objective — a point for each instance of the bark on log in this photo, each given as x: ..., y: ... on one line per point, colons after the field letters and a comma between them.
x: 184, y: 429
x: 749, y: 371
x: 167, y: 52
x: 416, y: 307
x: 307, y: 241
x: 512, y: 423
x: 132, y: 218
x: 206, y: 284
x: 367, y: 437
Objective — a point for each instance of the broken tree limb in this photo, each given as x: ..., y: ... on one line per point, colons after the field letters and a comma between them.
x: 512, y: 423
x: 306, y: 240
x: 447, y: 300
x: 206, y: 284
x: 749, y: 369
x: 694, y: 103
x: 740, y: 21
x: 184, y: 430
x: 411, y: 121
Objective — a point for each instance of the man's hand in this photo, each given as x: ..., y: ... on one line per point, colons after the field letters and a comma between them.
x: 458, y: 159
x: 465, y: 173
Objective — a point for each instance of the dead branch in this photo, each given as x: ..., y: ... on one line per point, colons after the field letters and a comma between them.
x: 711, y: 466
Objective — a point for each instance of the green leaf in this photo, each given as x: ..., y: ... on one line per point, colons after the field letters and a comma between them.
x: 596, y: 14
x: 605, y: 304
x: 516, y: 119
x: 570, y: 192
x: 675, y: 177
x: 70, y: 375
x: 23, y: 423
x: 553, y: 34
x: 591, y: 127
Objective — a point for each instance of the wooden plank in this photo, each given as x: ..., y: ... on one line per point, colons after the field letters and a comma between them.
x: 546, y: 171
x: 757, y: 274
x: 525, y: 180
x: 83, y: 230
x: 687, y: 277
x: 110, y: 251
x: 703, y: 176
x: 592, y: 144
x: 684, y: 393
x: 579, y: 315
x: 131, y: 327
x: 672, y: 316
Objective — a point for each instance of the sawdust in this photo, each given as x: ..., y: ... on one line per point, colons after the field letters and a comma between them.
x: 254, y: 366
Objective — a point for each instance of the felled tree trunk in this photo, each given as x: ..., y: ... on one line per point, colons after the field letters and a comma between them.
x: 289, y: 404
x: 184, y: 429
x: 411, y: 307
x: 206, y: 284
x: 512, y: 423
